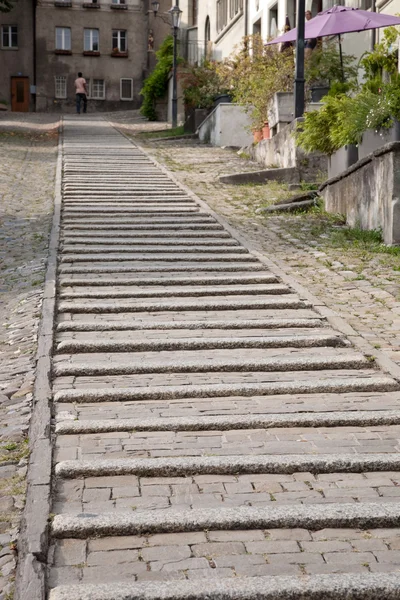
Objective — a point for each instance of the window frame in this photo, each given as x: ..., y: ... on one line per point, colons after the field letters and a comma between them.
x: 63, y: 46
x: 120, y: 89
x: 64, y: 78
x: 91, y: 40
x: 89, y: 85
x: 119, y: 37
x: 7, y: 30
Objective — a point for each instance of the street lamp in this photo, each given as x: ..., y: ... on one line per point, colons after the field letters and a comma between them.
x: 156, y: 7
x: 176, y: 20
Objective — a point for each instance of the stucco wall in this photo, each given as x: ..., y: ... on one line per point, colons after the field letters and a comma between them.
x: 227, y: 125
x: 19, y: 62
x: 368, y: 193
x: 281, y: 151
x: 111, y: 69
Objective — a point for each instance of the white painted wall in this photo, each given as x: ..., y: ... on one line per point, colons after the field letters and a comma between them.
x: 217, y: 128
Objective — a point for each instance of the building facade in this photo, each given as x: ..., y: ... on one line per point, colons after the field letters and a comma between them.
x: 107, y: 40
x: 221, y: 24
x: 17, y: 58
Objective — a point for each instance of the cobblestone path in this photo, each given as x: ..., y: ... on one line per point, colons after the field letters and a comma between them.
x: 215, y: 437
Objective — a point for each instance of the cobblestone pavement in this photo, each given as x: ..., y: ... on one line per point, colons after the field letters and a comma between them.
x: 209, y: 422
x: 28, y: 151
x: 361, y: 286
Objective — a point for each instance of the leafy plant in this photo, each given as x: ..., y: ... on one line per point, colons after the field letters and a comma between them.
x: 155, y: 86
x: 324, y: 66
x: 202, y: 84
x: 6, y: 5
x: 382, y: 61
x: 254, y: 73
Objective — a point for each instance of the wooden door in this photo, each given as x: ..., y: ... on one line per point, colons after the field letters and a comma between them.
x: 20, y: 94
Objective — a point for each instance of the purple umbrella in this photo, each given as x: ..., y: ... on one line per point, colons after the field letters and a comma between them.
x: 338, y: 20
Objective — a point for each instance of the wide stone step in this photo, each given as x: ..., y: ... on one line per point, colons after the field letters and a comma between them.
x: 216, y: 280
x: 311, y: 517
x: 193, y: 325
x: 133, y: 291
x: 88, y: 211
x: 88, y: 234
x: 184, y: 339
x: 351, y: 418
x: 157, y: 255
x: 296, y: 385
x: 316, y: 587
x: 183, y: 267
x: 195, y: 304
x: 158, y: 249
x: 208, y: 362
x: 166, y: 241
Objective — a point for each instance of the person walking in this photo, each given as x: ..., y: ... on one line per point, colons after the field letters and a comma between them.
x: 81, y: 93
x: 310, y: 44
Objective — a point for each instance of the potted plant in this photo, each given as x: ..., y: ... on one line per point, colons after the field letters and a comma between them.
x: 325, y: 66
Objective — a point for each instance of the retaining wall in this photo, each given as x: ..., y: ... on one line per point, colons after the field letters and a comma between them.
x: 368, y: 193
x: 227, y: 125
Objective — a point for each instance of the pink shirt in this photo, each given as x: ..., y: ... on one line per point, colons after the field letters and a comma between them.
x: 80, y: 84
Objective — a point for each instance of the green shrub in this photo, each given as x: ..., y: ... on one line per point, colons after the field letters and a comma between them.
x: 156, y: 84
x: 202, y: 84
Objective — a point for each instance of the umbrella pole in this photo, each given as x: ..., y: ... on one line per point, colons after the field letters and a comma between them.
x: 299, y: 80
x: 341, y: 57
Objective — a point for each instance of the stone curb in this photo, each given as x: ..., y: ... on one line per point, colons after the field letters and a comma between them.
x: 340, y: 385
x: 367, y: 586
x: 310, y: 516
x: 33, y: 539
x: 277, y: 267
x: 127, y: 325
x: 223, y: 465
x: 284, y: 341
x: 306, y: 363
x: 227, y: 423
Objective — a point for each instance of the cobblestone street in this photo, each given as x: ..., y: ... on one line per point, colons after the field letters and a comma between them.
x: 28, y: 153
x: 204, y: 425
x: 363, y: 289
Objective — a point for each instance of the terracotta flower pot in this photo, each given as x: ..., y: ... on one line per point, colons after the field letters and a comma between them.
x: 266, y: 132
x: 257, y: 136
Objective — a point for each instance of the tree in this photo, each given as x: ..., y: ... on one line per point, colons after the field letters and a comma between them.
x: 6, y: 5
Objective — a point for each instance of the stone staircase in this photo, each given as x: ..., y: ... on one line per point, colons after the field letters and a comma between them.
x: 214, y: 436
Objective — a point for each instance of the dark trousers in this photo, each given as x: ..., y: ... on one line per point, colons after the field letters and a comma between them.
x: 79, y: 98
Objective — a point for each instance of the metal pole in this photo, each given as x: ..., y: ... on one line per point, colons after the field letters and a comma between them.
x: 174, y: 82
x: 299, y: 80
x: 373, y: 31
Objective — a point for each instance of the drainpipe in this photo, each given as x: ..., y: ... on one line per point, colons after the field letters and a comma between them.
x: 373, y: 31
x: 34, y: 4
x: 246, y: 17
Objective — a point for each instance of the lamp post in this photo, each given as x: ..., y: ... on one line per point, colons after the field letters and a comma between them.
x: 299, y: 80
x: 156, y: 7
x: 176, y: 20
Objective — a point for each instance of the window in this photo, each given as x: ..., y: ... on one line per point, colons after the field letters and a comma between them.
x: 61, y: 86
x: 96, y: 89
x: 91, y: 40
x: 119, y: 40
x: 235, y: 7
x: 63, y: 38
x: 126, y: 89
x: 222, y: 14
x: 193, y: 13
x: 9, y: 36
x: 118, y: 1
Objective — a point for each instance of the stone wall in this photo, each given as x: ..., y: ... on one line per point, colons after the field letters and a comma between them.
x: 227, y: 125
x: 281, y: 151
x: 368, y: 193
